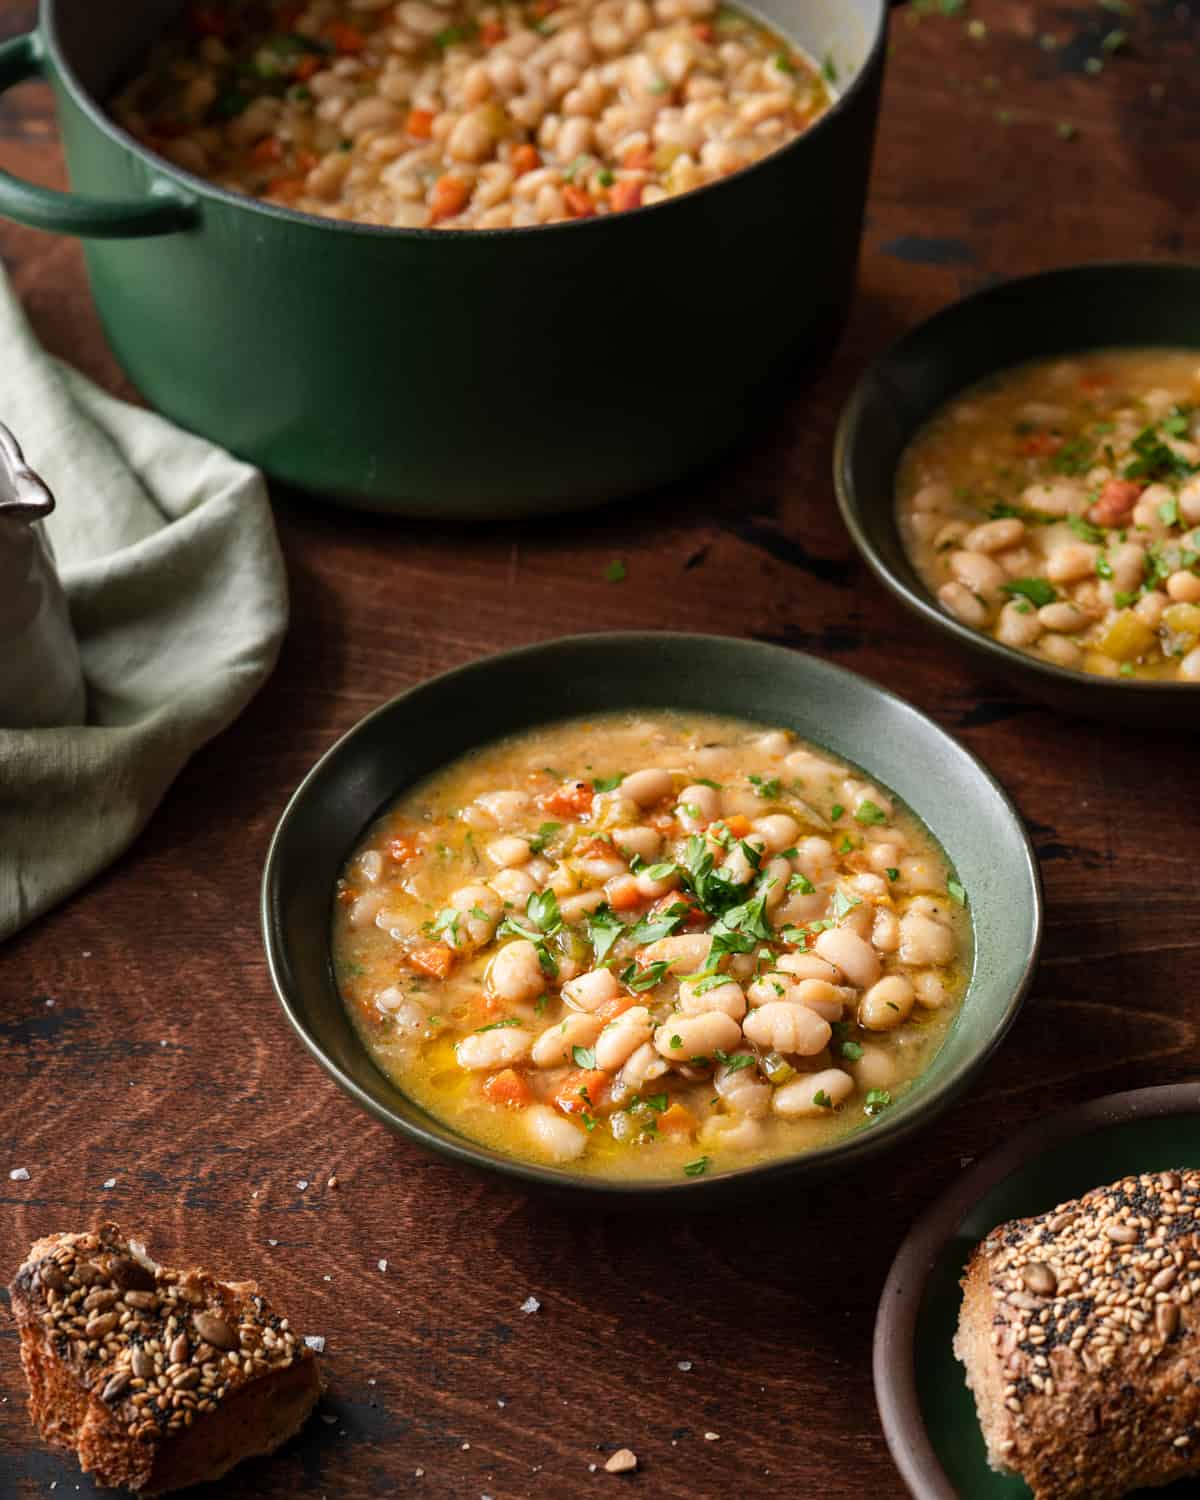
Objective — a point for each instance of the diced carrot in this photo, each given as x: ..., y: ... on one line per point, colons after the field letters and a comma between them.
x: 623, y: 893
x: 492, y: 32
x: 704, y: 31
x: 345, y: 38
x: 677, y: 1120
x: 615, y: 1007
x: 449, y: 198
x: 582, y: 1092
x: 1117, y: 499
x: 638, y: 158
x: 508, y: 1088
x: 524, y: 159
x: 580, y: 203
x: 624, y: 195
x: 597, y: 848
x: 695, y: 914
x: 270, y: 148
x: 432, y: 958
x: 570, y: 799
x: 403, y: 848
x: 209, y: 20
x: 739, y: 825
x: 1041, y: 444
x: 306, y: 66
x: 285, y: 188
x: 419, y: 124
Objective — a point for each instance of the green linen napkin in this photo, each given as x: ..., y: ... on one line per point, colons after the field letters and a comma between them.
x: 178, y: 595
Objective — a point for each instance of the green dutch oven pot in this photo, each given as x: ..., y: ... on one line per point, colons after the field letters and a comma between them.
x: 462, y: 373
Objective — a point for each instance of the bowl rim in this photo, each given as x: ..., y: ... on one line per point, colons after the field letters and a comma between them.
x: 200, y: 187
x: 903, y: 1295
x: 849, y: 1151
x: 919, y: 600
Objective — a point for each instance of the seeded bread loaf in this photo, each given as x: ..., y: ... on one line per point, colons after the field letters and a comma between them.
x: 156, y: 1378
x: 1080, y: 1335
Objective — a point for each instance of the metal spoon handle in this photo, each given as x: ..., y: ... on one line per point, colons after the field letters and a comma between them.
x: 23, y: 494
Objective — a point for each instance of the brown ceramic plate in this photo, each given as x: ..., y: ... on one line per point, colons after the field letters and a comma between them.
x: 927, y: 1412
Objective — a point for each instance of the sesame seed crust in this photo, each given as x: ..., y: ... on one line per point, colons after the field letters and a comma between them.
x: 1078, y: 1333
x: 124, y: 1356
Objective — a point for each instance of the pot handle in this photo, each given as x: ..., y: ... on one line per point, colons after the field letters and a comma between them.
x: 163, y: 212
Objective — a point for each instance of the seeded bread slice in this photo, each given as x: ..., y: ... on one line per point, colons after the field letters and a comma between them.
x: 1080, y: 1335
x: 156, y: 1378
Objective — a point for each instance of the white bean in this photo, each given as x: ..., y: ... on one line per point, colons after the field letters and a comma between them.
x: 681, y: 1038
x: 778, y: 831
x: 648, y: 787
x: 698, y: 807
x: 554, y: 1135
x: 515, y: 974
x: 813, y: 1094
x: 728, y: 997
x: 643, y: 842
x: 924, y: 941
x: 554, y: 1047
x: 886, y: 1004
x: 621, y: 1038
x: 852, y: 955
x: 643, y: 1067
x: 807, y: 966
x: 822, y: 998
x: 685, y: 953
x: 493, y: 1049
x: 508, y: 851
x: 785, y: 1027
x: 591, y: 990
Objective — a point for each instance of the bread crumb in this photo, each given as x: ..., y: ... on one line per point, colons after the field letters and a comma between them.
x: 383, y: 1265
x: 333, y: 1182
x: 272, y: 1242
x: 302, y: 1183
x: 315, y: 1342
x: 419, y: 1473
x: 623, y: 1461
x: 109, y: 1182
x: 685, y: 1365
x: 712, y: 1437
x: 530, y: 1305
x: 19, y: 1174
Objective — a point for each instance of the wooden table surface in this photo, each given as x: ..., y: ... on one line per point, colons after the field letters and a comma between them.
x: 140, y: 1040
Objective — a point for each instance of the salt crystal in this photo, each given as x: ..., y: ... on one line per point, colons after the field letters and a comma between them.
x: 685, y: 1365
x: 326, y: 1278
x: 302, y: 1184
x: 110, y: 1182
x: 272, y: 1242
x: 372, y: 1381
x: 530, y: 1305
x: 328, y: 1417
x: 465, y: 1446
x: 19, y: 1174
x: 50, y: 1004
x: 315, y: 1342
x: 383, y: 1265
x: 499, y: 1402
x: 712, y: 1437
x: 420, y: 1473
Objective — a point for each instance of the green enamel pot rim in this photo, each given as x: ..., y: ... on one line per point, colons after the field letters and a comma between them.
x: 640, y: 651
x: 863, y: 524
x: 895, y: 1344
x: 201, y: 188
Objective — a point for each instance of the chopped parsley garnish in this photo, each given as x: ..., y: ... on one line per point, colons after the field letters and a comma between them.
x: 737, y: 1062
x: 660, y: 872
x: 607, y: 783
x: 644, y: 979
x: 892, y: 872
x: 542, y: 910
x: 708, y: 982
x: 847, y: 845
x: 584, y: 1057
x: 1037, y: 590
x: 852, y: 1051
x: 1075, y: 457
x: 604, y: 928
x: 784, y: 63
x: 606, y: 179
x: 446, y: 921
x: 616, y: 571
x: 651, y: 929
x: 836, y: 811
x: 706, y: 781
x: 698, y: 1167
x: 1155, y: 460
x: 543, y: 836
x: 1084, y: 530
x: 877, y: 1100
x: 1168, y: 511
x: 801, y: 884
x: 956, y: 892
x: 841, y: 904
x: 498, y: 1025
x: 453, y: 35
x: 676, y: 1040
x: 822, y: 1100
x: 869, y: 813
x: 1104, y: 568
x: 768, y: 789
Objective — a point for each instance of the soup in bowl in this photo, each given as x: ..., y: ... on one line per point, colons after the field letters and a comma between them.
x: 651, y: 914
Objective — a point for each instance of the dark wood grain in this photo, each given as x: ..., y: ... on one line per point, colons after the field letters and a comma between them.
x: 139, y: 1039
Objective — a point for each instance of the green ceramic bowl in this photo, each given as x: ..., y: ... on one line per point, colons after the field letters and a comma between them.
x: 927, y: 1412
x: 1059, y: 312
x: 439, y: 721
x: 464, y: 373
